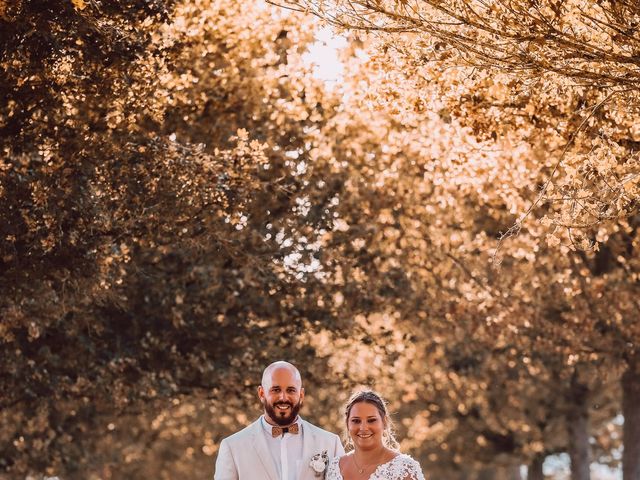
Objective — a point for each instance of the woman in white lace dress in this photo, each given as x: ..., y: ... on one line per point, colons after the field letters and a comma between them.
x: 375, y: 454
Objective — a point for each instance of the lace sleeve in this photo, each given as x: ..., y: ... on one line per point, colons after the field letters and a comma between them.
x: 333, y: 469
x: 409, y: 469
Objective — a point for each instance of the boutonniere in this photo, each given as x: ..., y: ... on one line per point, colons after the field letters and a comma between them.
x: 319, y: 463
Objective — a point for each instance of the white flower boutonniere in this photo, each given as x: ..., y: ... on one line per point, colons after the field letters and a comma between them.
x: 319, y: 463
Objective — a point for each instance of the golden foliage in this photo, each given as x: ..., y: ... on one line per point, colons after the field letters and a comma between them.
x: 182, y: 202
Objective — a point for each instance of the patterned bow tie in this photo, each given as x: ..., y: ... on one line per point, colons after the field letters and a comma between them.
x: 277, y: 431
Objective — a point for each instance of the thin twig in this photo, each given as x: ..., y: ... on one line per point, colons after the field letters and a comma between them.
x: 517, y: 226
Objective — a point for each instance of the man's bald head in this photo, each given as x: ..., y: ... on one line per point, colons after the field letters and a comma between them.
x: 267, y: 375
x: 281, y: 393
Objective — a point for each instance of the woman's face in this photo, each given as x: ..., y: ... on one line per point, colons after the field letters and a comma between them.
x: 365, y: 425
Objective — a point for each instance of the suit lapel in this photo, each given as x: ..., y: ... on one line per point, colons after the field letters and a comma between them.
x: 262, y: 450
x: 309, y: 444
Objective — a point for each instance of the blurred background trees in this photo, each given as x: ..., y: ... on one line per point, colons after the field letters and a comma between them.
x: 182, y: 202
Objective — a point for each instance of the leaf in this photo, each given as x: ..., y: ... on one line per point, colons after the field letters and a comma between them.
x: 553, y: 241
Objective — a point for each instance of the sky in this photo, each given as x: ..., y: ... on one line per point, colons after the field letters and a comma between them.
x: 323, y: 55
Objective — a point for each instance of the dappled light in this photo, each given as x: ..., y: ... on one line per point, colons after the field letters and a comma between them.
x: 436, y: 199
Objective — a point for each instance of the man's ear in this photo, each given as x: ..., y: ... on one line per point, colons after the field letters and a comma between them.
x: 260, y: 392
x: 301, y: 394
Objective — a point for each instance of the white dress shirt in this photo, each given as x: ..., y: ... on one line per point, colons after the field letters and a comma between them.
x: 286, y: 450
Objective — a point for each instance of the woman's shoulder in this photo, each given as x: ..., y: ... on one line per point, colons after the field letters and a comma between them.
x: 406, y: 458
x: 401, y: 459
x: 405, y: 466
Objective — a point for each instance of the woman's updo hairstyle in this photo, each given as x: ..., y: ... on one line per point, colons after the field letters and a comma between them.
x: 369, y: 396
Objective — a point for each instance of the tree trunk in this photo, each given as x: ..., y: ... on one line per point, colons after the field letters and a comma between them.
x: 631, y: 428
x: 487, y: 473
x: 578, y: 428
x: 513, y: 472
x: 464, y: 474
x: 534, y: 472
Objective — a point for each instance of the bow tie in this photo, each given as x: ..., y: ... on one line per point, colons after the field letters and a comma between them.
x: 277, y: 431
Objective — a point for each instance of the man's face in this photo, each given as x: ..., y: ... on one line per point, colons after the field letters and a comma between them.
x: 281, y: 396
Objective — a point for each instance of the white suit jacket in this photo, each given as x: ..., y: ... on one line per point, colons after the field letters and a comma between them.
x: 245, y: 455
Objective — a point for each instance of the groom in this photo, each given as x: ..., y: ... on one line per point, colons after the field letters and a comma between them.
x: 279, y: 445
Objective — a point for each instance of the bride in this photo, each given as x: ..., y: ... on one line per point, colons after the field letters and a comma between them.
x: 375, y: 455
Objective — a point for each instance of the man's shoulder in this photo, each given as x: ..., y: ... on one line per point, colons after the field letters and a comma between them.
x: 241, y: 435
x: 318, y: 430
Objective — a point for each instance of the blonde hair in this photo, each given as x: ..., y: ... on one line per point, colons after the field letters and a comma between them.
x: 373, y: 398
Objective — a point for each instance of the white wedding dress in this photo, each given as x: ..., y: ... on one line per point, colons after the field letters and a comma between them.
x: 401, y: 467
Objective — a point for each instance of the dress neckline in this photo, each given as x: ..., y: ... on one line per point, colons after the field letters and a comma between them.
x: 377, y: 468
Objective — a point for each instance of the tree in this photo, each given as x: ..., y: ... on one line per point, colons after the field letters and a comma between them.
x: 434, y: 201
x: 566, y: 67
x: 151, y: 209
x: 552, y: 80
x: 182, y: 203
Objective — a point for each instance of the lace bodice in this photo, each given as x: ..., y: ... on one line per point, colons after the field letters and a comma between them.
x: 401, y: 467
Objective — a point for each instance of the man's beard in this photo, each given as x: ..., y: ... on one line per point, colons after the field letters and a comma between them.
x: 277, y: 416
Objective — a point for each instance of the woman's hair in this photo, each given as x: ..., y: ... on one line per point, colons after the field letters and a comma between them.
x: 369, y: 396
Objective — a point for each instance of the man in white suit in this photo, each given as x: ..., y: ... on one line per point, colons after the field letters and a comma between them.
x: 279, y: 445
